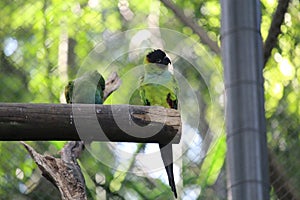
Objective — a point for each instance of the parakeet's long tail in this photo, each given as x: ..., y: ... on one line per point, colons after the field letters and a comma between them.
x: 167, y: 157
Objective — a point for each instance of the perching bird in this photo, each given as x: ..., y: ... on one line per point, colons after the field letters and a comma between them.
x: 86, y: 89
x: 159, y: 87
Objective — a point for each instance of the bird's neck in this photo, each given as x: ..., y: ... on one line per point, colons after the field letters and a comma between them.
x: 156, y: 69
x: 158, y: 75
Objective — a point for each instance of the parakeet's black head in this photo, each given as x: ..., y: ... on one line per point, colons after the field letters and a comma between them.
x: 158, y: 56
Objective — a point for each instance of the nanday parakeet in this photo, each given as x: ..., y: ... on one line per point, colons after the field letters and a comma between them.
x: 159, y: 87
x: 88, y: 89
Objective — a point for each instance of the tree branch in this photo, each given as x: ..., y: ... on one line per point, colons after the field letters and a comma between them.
x: 89, y: 122
x: 112, y: 83
x: 274, y: 30
x: 270, y: 42
x: 281, y: 184
x: 64, y: 173
x: 195, y: 27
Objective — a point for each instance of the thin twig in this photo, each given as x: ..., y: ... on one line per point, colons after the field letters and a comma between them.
x: 112, y: 83
x: 195, y: 27
x: 274, y: 30
x: 270, y: 42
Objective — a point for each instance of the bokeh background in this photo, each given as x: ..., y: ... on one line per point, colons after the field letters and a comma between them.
x: 43, y: 44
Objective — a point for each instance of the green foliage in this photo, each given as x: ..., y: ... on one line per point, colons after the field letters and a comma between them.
x: 282, y: 93
x: 35, y: 67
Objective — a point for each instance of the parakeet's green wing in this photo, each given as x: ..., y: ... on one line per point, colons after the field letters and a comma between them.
x: 86, y: 89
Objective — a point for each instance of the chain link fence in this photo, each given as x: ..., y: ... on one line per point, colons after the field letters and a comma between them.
x: 45, y: 43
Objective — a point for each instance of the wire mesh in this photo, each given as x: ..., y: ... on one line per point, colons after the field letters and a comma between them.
x: 44, y: 43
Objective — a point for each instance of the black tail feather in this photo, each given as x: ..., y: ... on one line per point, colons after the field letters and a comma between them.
x: 167, y: 157
x: 169, y: 170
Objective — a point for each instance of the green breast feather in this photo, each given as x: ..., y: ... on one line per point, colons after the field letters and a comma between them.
x: 159, y: 89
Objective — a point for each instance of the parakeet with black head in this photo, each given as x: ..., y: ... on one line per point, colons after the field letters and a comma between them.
x: 159, y: 87
x: 86, y: 89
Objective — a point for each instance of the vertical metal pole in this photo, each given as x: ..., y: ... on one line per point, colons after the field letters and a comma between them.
x: 247, y: 162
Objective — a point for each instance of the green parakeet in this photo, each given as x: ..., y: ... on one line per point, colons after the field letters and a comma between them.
x: 159, y: 87
x: 86, y: 89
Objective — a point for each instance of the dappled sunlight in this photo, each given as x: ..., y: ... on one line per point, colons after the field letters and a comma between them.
x: 44, y: 44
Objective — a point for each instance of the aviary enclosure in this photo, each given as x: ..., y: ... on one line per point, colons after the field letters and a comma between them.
x: 236, y: 64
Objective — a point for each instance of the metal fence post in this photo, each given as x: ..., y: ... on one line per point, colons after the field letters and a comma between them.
x: 247, y: 162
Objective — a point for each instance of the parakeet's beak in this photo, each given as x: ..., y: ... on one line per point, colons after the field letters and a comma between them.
x: 166, y: 61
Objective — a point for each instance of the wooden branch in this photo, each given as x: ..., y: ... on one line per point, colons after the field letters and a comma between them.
x: 112, y: 83
x: 64, y: 173
x: 117, y: 123
x: 195, y: 27
x: 274, y: 30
